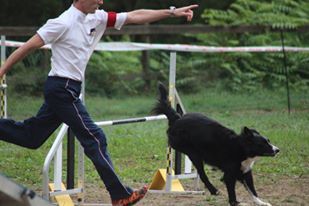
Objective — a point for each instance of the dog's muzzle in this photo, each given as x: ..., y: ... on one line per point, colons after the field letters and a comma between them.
x: 272, y: 152
x: 275, y: 150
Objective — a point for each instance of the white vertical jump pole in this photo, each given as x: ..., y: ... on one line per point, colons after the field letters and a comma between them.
x: 3, y: 81
x: 172, y: 82
x: 58, y: 169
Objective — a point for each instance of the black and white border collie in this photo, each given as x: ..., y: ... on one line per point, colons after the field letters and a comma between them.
x: 204, y: 140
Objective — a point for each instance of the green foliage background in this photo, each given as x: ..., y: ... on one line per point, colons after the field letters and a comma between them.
x: 246, y: 70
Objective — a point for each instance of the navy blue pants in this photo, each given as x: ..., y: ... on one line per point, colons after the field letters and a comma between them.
x: 62, y: 104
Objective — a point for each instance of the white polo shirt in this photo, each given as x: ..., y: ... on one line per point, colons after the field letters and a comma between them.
x: 73, y: 37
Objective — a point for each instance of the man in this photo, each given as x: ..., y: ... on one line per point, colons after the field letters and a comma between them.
x: 73, y: 37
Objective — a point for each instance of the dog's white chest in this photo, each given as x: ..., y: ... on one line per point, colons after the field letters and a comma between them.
x: 247, y: 164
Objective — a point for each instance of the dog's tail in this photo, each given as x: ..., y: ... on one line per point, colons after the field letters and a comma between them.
x: 163, y: 106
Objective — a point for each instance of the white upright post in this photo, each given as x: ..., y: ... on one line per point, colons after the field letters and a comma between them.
x: 3, y: 98
x: 58, y: 169
x: 188, y: 165
x: 172, y: 78
x: 172, y: 82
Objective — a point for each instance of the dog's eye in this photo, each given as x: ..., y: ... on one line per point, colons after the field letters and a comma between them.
x: 266, y: 141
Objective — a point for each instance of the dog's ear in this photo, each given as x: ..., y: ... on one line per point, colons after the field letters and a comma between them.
x: 246, y: 131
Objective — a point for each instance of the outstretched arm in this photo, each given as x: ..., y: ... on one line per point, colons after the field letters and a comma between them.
x: 33, y: 43
x: 143, y: 16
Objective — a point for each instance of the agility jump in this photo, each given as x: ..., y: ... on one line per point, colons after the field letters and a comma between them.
x: 170, y: 181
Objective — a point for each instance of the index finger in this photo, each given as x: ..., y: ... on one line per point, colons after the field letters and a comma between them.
x: 193, y: 6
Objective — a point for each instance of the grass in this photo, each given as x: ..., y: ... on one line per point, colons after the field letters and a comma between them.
x: 138, y: 150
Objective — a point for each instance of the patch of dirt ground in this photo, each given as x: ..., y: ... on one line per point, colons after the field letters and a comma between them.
x: 283, y: 191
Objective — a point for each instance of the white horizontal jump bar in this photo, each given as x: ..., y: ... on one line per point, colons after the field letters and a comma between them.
x: 131, y: 120
x: 66, y: 192
x: 134, y: 46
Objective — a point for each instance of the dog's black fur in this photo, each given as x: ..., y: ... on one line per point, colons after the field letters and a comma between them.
x: 204, y: 140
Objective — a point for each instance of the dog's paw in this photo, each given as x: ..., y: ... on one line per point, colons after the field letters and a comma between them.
x: 218, y: 193
x: 215, y: 192
x: 259, y: 202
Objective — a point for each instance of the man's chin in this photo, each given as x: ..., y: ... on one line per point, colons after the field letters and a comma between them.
x: 92, y: 12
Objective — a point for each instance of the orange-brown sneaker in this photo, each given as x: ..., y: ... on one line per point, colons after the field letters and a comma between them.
x: 136, y: 196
